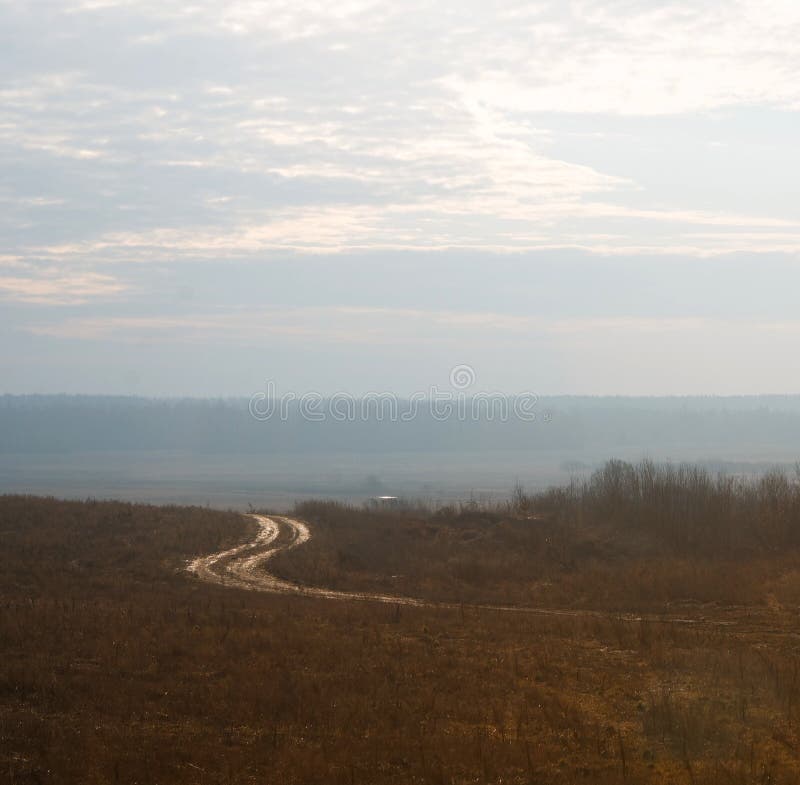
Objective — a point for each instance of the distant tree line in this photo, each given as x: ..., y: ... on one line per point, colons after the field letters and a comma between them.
x: 600, y: 425
x: 684, y: 506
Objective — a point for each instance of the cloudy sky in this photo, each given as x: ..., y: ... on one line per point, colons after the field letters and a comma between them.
x: 582, y: 197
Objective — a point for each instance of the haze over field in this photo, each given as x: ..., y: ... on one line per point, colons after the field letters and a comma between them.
x: 590, y: 198
x: 217, y: 452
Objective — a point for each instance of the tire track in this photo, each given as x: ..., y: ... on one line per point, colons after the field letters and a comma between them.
x: 216, y: 567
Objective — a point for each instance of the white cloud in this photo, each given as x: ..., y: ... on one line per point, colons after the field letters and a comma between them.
x: 388, y: 326
x: 639, y: 59
x: 256, y: 126
x: 492, y: 225
x: 59, y: 288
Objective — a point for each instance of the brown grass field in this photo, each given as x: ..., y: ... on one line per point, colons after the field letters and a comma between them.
x: 118, y: 667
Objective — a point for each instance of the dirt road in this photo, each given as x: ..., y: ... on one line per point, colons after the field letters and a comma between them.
x: 244, y: 567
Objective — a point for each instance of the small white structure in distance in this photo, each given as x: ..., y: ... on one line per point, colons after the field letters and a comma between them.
x: 384, y: 502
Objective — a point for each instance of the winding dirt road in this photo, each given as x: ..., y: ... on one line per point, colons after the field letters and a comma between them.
x: 243, y: 567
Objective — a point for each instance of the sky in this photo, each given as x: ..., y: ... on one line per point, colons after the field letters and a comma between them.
x: 587, y: 197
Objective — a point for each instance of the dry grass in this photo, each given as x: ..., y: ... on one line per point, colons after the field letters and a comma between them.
x: 643, y: 539
x: 117, y: 667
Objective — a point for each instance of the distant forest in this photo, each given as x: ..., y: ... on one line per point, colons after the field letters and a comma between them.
x: 57, y: 424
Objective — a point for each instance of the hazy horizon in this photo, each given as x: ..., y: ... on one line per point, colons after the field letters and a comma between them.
x: 217, y: 452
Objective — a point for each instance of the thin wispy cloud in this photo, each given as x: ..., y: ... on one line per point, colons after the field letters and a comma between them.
x: 141, y: 138
x: 381, y: 326
x: 56, y: 288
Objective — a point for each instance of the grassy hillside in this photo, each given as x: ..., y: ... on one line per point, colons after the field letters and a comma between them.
x: 629, y: 538
x: 115, y: 666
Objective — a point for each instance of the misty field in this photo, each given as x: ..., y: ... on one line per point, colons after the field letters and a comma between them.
x: 673, y: 657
